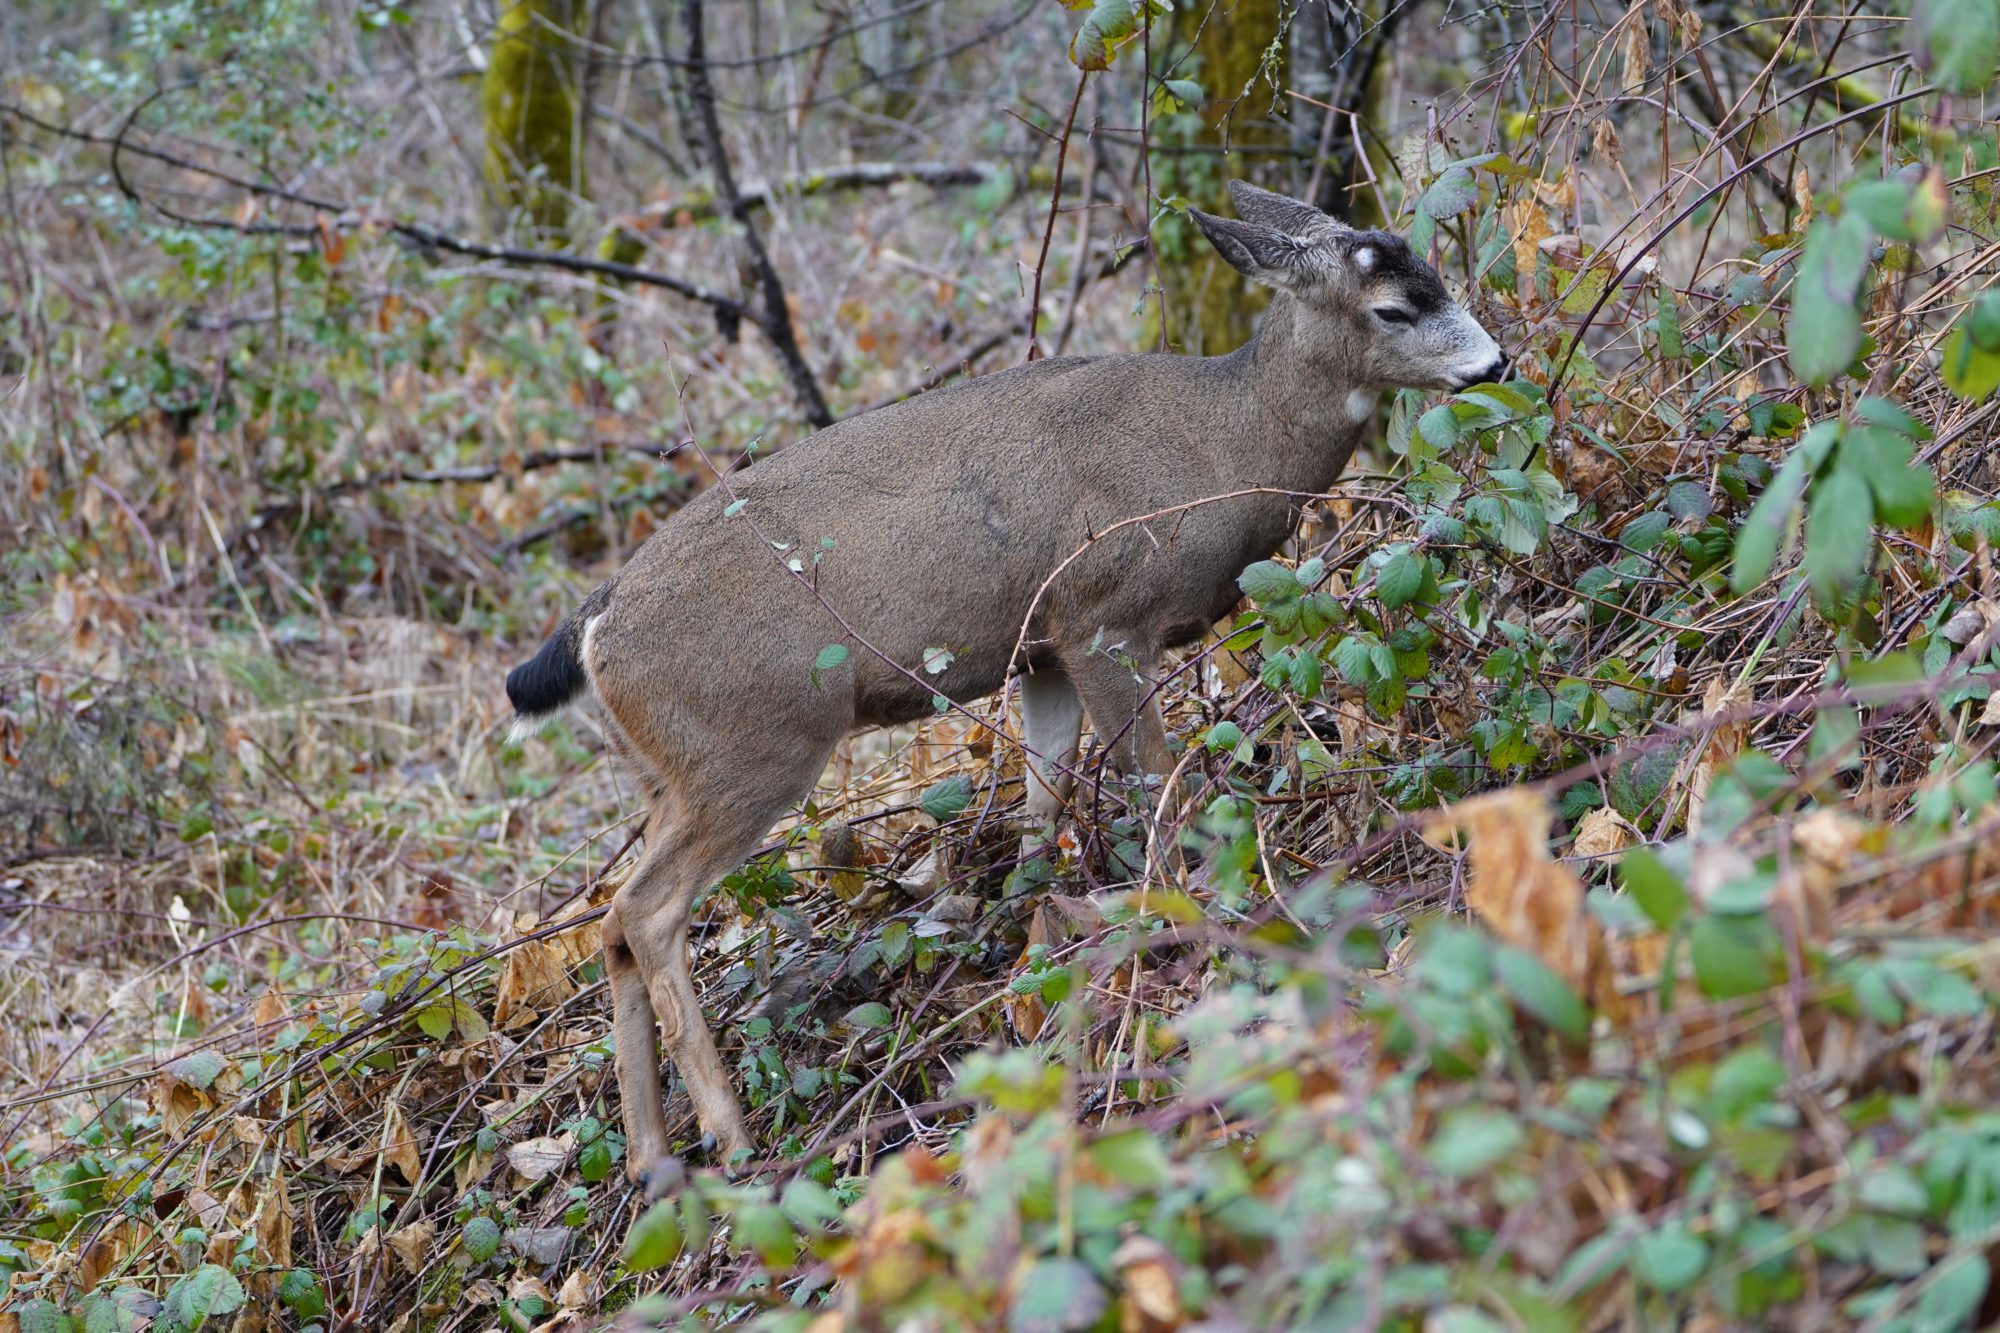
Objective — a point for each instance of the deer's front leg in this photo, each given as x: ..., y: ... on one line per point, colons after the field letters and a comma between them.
x: 1120, y: 689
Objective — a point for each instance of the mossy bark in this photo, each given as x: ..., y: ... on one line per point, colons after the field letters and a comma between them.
x: 530, y: 100
x: 1209, y: 309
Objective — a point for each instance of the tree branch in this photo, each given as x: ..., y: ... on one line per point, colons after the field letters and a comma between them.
x: 776, y: 320
x: 347, y: 218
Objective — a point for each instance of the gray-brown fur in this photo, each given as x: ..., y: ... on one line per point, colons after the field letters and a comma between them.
x: 947, y: 513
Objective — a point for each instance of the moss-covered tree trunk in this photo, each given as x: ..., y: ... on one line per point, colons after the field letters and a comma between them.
x: 1209, y: 309
x: 531, y: 102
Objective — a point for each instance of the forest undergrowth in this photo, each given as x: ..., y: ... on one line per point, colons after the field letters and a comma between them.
x: 1588, y: 914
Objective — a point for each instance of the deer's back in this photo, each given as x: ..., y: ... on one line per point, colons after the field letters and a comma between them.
x: 930, y: 526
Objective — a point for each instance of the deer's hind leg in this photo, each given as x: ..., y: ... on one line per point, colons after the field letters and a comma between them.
x: 698, y: 832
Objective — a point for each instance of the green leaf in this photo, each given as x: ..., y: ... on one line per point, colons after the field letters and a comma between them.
x: 197, y: 1069
x: 830, y: 657
x: 1667, y: 320
x: 764, y: 1228
x: 1729, y: 958
x: 123, y: 1309
x: 300, y: 1292
x: 1953, y: 1294
x: 1058, y: 1295
x: 1522, y: 526
x: 1108, y: 26
x: 1134, y: 1157
x: 42, y: 1316
x: 1671, y: 1258
x: 869, y: 1016
x: 1957, y: 42
x: 1903, y: 491
x: 1400, y: 580
x: 480, y: 1239
x: 435, y: 1020
x: 1536, y: 988
x: 1889, y: 206
x: 809, y: 1203
x: 1185, y: 91
x: 654, y: 1240
x: 1351, y: 658
x: 948, y: 798
x: 209, y: 1290
x: 1223, y: 736
x: 1439, y: 427
x: 1268, y: 581
x: 1472, y: 1139
x: 1824, y: 334
x: 1970, y: 371
x: 1653, y: 886
x: 593, y: 1159
x: 1839, y: 533
x: 1454, y: 191
x: 1748, y: 1079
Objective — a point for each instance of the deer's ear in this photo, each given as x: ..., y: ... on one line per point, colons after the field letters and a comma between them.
x: 1295, y: 217
x: 1260, y: 253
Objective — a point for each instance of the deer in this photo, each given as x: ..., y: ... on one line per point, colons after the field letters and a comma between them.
x: 1065, y: 523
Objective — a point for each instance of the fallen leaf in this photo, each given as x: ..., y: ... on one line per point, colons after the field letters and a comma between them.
x: 537, y: 1159
x: 534, y: 978
x: 399, y: 1145
x: 411, y: 1244
x: 1725, y: 742
x: 1603, y: 833
x: 1527, y: 899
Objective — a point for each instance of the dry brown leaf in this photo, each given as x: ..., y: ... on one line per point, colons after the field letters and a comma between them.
x: 1152, y: 1301
x: 1529, y: 224
x: 1636, y: 46
x: 1603, y: 832
x: 272, y: 1223
x: 399, y: 1145
x: 840, y: 853
x: 533, y: 979
x: 1527, y: 899
x: 576, y: 1293
x: 1027, y: 1012
x: 536, y: 1159
x: 411, y: 1244
x: 1725, y: 742
x: 271, y: 1009
x: 1989, y: 716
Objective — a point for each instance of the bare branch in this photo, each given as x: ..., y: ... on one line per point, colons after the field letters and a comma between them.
x: 776, y: 320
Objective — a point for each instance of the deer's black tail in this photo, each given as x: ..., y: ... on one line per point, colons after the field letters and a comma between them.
x: 553, y: 677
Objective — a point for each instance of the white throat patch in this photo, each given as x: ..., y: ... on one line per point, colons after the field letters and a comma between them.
x: 1360, y: 405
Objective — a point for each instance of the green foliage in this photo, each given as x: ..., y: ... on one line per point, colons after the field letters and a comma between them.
x: 1972, y: 352
x: 207, y: 1292
x: 1851, y: 475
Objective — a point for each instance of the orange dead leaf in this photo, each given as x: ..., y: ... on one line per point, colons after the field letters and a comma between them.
x: 1725, y: 742
x: 399, y: 1145
x: 533, y: 979
x: 1529, y: 900
x: 1603, y: 833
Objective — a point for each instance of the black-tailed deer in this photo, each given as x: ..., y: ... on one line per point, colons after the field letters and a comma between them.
x: 931, y: 527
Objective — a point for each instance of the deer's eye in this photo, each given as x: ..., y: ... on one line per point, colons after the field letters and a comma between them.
x: 1399, y: 316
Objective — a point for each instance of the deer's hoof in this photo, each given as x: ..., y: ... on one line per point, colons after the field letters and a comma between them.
x: 659, y: 1178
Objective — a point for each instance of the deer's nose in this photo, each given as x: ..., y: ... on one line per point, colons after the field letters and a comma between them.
x: 1491, y: 373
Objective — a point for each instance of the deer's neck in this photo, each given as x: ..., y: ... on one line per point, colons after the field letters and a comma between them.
x: 1312, y: 419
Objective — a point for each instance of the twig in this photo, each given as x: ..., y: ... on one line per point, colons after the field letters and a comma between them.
x: 776, y: 321
x: 1055, y: 206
